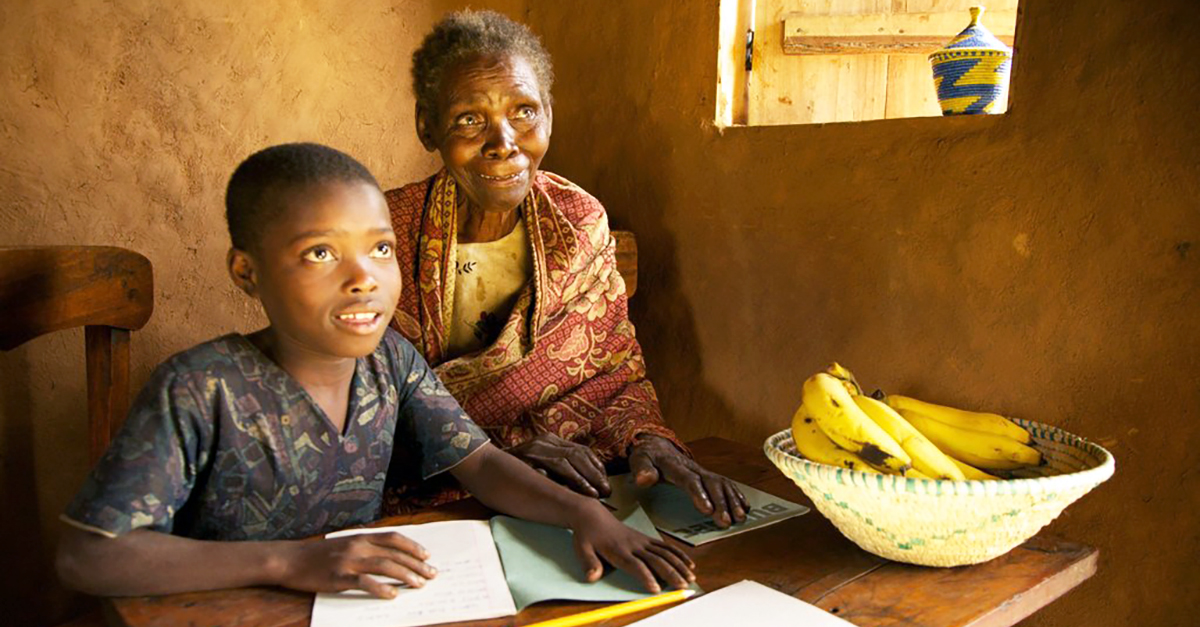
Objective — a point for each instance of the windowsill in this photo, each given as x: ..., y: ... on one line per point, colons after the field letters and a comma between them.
x: 951, y: 123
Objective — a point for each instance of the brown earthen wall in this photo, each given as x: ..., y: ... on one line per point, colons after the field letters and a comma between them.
x: 1042, y: 263
x: 120, y: 123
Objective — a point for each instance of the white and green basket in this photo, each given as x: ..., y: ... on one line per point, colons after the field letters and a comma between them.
x: 948, y: 523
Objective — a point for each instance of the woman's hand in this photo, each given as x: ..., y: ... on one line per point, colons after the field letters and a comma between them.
x: 354, y: 563
x: 653, y: 459
x: 598, y: 535
x: 569, y: 463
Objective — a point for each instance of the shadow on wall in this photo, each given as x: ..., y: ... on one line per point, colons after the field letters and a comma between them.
x: 25, y: 602
x: 661, y: 311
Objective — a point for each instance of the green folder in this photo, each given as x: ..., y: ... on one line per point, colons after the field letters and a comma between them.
x: 540, y: 563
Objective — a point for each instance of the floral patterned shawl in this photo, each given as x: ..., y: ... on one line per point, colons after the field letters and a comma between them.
x: 566, y: 360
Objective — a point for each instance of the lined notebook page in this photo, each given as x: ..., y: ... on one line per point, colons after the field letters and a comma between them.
x: 469, y: 585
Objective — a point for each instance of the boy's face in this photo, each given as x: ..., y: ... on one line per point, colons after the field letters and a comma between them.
x: 326, y: 271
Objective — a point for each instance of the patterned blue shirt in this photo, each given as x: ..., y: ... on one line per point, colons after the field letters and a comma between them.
x: 223, y: 444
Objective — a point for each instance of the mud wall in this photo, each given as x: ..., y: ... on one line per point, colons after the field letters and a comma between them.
x: 120, y: 124
x: 1041, y: 263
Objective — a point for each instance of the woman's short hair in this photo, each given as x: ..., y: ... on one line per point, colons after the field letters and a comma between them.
x: 465, y: 34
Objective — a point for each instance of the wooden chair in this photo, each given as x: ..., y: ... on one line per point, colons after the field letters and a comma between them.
x: 627, y: 259
x: 108, y: 291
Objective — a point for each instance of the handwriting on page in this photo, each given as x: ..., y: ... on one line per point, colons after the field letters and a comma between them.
x: 469, y: 585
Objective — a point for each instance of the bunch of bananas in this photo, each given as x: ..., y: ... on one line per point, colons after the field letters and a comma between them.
x: 838, y: 425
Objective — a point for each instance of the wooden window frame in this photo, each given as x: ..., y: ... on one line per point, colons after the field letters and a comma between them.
x: 905, y: 38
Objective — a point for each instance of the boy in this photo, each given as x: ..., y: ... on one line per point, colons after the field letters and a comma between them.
x: 288, y: 432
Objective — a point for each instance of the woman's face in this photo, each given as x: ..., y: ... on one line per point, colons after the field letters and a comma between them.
x: 492, y: 129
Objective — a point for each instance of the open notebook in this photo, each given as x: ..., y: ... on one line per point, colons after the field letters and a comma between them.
x: 672, y: 511
x: 486, y: 569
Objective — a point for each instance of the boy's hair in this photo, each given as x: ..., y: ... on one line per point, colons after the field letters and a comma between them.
x: 465, y: 34
x: 252, y: 199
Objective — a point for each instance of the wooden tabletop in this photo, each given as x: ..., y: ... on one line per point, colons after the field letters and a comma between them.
x: 804, y: 556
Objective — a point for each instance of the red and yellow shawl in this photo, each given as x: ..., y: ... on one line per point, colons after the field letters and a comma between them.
x: 566, y: 360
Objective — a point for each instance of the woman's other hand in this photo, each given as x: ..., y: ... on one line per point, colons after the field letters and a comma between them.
x: 355, y: 563
x: 653, y: 459
x: 600, y: 536
x: 571, y: 464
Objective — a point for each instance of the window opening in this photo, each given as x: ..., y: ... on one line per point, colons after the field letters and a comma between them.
x: 818, y: 61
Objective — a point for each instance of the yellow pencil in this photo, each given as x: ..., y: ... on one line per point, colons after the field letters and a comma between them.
x: 613, y: 611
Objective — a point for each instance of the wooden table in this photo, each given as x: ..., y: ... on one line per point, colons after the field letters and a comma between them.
x: 805, y: 557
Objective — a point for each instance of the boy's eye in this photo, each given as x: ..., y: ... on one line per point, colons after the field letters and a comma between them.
x: 383, y: 250
x: 319, y: 254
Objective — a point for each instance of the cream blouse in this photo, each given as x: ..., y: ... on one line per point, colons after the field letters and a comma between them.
x: 489, y: 278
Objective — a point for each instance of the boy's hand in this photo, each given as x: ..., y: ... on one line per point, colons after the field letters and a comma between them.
x: 599, y: 535
x: 653, y: 459
x: 354, y: 563
x: 572, y: 464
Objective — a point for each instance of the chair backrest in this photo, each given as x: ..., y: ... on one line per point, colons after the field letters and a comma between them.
x: 627, y: 259
x: 108, y: 291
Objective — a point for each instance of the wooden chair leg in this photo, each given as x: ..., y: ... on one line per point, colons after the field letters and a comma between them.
x: 108, y: 385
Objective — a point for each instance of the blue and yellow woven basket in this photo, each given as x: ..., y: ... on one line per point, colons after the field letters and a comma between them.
x: 971, y: 73
x: 948, y: 523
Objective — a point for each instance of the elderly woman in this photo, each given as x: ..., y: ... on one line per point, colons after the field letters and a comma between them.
x: 511, y: 289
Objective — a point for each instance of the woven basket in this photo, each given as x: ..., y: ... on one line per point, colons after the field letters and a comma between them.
x: 971, y: 72
x: 948, y: 523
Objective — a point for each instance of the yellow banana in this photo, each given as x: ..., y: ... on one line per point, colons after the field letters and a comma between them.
x: 961, y: 418
x: 913, y: 473
x: 844, y: 375
x: 826, y: 400
x: 925, y: 455
x: 973, y: 473
x: 815, y: 446
x: 982, y: 450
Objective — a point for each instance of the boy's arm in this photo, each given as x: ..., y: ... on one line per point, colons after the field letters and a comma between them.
x: 432, y: 422
x: 506, y: 484
x: 144, y: 562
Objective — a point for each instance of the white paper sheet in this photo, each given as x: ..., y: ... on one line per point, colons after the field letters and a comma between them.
x: 469, y: 585
x: 744, y: 603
